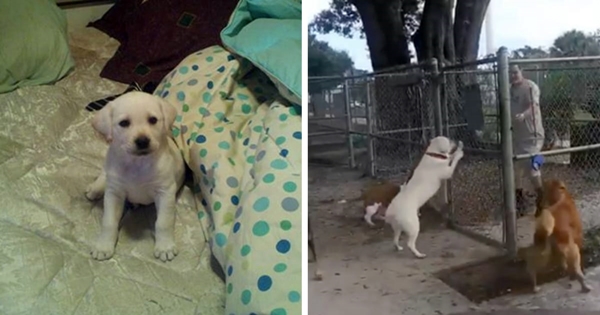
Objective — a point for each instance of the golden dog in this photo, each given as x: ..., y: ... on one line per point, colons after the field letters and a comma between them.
x: 558, y: 235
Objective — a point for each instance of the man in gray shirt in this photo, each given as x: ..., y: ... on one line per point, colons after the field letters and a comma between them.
x: 527, y: 132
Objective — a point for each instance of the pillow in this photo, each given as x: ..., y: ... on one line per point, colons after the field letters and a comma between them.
x: 161, y: 33
x: 113, y: 23
x: 269, y: 34
x: 34, y: 47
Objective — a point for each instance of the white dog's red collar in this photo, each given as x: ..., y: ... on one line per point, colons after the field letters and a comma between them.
x: 437, y: 155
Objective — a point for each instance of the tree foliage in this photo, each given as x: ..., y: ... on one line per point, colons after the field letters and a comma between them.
x: 575, y: 44
x: 572, y: 43
x: 566, y: 87
x: 323, y: 60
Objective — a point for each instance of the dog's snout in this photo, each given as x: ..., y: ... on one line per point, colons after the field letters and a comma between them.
x: 142, y: 142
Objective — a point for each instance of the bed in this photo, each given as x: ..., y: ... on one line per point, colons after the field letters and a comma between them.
x: 238, y: 222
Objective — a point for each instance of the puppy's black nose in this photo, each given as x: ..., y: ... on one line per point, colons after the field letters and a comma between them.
x: 142, y: 143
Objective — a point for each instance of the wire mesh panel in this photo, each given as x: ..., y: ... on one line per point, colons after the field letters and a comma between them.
x: 359, y: 98
x: 402, y: 119
x: 471, y: 115
x: 570, y: 108
x: 327, y: 120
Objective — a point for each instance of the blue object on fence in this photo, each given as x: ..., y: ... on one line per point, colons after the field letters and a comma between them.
x: 536, y: 162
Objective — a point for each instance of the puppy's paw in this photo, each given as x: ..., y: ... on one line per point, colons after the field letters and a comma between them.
x: 460, y: 145
x: 536, y: 289
x: 103, y: 250
x: 165, y: 251
x: 92, y: 192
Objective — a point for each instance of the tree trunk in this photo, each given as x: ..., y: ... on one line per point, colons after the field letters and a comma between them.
x: 468, y: 19
x: 431, y: 39
x: 384, y: 26
x: 388, y: 46
x: 401, y: 101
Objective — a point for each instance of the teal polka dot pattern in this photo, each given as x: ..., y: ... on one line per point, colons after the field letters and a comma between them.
x: 281, y: 267
x: 241, y: 136
x: 261, y: 228
x: 294, y: 296
x: 261, y: 204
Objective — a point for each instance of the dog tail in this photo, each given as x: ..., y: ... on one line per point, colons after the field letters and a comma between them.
x: 544, y: 226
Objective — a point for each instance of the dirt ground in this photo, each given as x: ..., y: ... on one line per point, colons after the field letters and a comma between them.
x: 362, y: 270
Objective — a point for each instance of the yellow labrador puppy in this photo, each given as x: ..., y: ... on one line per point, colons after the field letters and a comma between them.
x: 143, y: 166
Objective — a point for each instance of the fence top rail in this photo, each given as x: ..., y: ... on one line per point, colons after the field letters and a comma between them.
x: 391, y: 70
x: 554, y: 60
x: 540, y: 69
x: 478, y: 62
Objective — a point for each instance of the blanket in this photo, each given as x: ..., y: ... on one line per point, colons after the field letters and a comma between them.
x: 242, y: 140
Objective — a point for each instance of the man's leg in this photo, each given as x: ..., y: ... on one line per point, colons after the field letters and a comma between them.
x: 535, y: 177
x: 520, y: 169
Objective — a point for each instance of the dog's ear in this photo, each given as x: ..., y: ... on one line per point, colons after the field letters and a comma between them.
x: 562, y: 185
x: 102, y: 121
x: 169, y: 112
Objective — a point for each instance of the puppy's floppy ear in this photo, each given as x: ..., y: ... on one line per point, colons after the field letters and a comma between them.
x: 169, y: 112
x: 102, y: 121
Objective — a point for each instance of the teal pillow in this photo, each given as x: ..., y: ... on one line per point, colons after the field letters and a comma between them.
x: 269, y: 34
x: 34, y: 47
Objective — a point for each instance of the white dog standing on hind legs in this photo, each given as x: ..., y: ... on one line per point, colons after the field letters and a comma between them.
x: 437, y: 164
x: 143, y: 166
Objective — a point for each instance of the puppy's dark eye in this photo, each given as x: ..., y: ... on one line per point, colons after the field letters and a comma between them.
x: 152, y: 120
x: 124, y: 123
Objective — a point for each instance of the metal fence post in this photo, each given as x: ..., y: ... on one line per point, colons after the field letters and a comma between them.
x: 436, y: 97
x: 437, y: 114
x: 508, y: 177
x: 370, y: 143
x: 347, y: 102
x: 446, y: 132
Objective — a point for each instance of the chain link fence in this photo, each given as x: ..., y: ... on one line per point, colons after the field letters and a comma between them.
x: 380, y: 123
x: 570, y: 106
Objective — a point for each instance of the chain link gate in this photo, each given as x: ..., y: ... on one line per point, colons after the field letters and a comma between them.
x: 471, y: 114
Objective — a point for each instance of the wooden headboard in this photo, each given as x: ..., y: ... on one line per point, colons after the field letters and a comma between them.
x: 79, y: 3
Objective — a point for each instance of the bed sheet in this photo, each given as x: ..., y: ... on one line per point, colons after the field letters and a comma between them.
x: 48, y: 155
x: 242, y: 140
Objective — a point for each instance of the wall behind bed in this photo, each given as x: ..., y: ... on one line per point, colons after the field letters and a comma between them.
x: 81, y: 12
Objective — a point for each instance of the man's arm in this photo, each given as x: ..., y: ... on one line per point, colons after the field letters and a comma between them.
x: 534, y: 100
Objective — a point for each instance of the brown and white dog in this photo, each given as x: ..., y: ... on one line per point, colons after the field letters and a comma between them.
x: 558, y: 235
x: 377, y: 198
